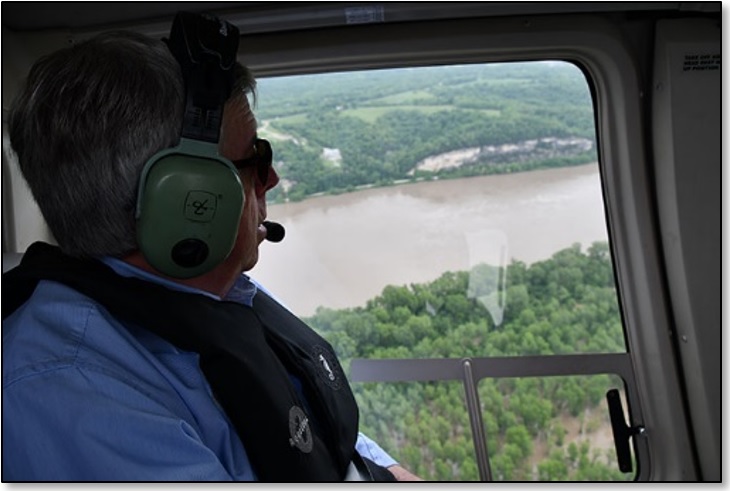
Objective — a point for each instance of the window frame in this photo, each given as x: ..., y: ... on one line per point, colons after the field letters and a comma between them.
x: 602, y: 48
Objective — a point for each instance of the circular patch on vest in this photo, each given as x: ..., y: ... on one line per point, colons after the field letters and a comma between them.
x: 329, y: 368
x: 300, y: 435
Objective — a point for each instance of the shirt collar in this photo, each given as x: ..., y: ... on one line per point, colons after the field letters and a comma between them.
x: 243, y: 289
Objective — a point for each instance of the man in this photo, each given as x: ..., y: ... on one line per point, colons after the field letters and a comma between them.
x: 115, y: 368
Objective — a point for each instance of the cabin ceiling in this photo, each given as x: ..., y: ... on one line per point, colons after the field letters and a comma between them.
x: 32, y: 16
x: 273, y: 16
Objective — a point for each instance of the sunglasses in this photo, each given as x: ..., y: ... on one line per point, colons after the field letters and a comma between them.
x: 261, y: 159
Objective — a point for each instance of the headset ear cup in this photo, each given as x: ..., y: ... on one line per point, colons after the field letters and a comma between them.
x: 188, y: 212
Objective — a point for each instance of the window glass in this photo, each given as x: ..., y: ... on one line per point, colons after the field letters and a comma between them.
x: 441, y: 211
x: 551, y: 429
x: 537, y: 428
x: 451, y: 212
x: 423, y: 425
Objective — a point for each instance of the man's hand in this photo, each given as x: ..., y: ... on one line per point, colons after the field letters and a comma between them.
x: 403, y: 475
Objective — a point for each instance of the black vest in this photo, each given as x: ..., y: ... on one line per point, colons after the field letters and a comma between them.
x: 247, y: 356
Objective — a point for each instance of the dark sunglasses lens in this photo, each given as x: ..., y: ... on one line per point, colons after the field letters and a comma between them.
x: 263, y: 149
x: 263, y: 173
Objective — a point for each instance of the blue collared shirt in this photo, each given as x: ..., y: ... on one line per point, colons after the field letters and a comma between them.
x: 87, y: 398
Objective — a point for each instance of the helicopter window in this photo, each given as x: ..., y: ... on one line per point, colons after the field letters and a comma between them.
x: 447, y: 213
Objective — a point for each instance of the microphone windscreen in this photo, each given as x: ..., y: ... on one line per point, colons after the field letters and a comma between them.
x: 274, y: 231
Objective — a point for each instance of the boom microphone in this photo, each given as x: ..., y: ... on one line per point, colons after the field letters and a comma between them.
x: 274, y: 231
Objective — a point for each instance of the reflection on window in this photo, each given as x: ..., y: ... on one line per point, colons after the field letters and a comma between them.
x: 563, y: 305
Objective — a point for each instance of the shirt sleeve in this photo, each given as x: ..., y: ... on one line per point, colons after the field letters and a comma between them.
x: 371, y: 450
x: 79, y: 424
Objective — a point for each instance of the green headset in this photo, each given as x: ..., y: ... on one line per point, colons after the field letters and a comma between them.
x: 190, y: 198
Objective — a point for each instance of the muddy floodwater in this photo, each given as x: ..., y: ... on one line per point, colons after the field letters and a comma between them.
x: 340, y: 251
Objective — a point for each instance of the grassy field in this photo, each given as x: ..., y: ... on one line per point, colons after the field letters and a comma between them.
x: 371, y: 114
x: 401, y: 98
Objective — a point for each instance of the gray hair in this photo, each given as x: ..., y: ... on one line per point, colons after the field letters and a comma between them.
x: 88, y: 118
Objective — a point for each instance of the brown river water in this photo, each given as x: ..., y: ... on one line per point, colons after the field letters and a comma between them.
x: 340, y: 251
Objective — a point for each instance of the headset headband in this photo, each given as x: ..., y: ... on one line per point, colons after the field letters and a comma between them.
x: 206, y: 49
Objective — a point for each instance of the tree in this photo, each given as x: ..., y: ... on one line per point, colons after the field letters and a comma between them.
x: 552, y: 469
x: 521, y: 438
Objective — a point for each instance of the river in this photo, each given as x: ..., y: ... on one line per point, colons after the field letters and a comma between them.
x: 340, y: 251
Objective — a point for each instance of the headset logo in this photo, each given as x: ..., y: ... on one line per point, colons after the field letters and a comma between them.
x: 200, y: 206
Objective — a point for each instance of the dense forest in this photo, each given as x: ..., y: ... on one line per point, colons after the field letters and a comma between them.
x: 343, y: 131
x: 537, y: 428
